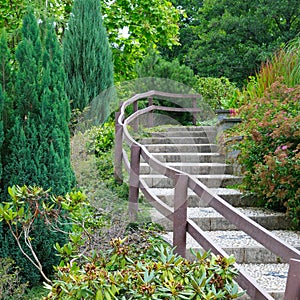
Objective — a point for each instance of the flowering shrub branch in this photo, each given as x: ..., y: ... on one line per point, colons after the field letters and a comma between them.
x: 270, y: 151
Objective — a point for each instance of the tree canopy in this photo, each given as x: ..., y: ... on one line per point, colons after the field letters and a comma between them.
x: 133, y: 26
x: 232, y: 38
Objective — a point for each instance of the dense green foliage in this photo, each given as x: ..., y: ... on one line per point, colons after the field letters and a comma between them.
x: 232, y: 38
x: 100, y: 144
x: 145, y: 270
x: 87, y: 56
x: 133, y: 27
x: 155, y: 66
x: 284, y: 65
x: 1, y: 126
x: 101, y: 139
x: 12, y: 13
x: 216, y: 38
x: 219, y: 93
x: 270, y: 151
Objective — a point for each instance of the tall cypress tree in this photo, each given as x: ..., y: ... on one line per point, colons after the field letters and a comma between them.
x: 38, y: 140
x: 5, y: 72
x: 54, y: 118
x: 1, y: 127
x: 6, y: 83
x: 5, y: 75
x: 87, y: 56
x: 22, y: 137
x: 42, y: 115
x: 28, y: 55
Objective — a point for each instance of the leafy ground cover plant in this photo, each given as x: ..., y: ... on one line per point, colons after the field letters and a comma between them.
x: 101, y: 138
x: 148, y: 269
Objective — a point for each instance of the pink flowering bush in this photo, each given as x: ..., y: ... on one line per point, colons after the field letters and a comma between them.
x: 270, y: 151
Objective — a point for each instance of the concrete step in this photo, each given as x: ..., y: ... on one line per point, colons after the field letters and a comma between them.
x: 200, y: 133
x: 186, y: 152
x: 232, y: 196
x: 192, y: 128
x: 175, y: 140
x: 192, y: 168
x: 210, y: 220
x: 244, y: 248
x: 189, y: 157
x: 211, y: 180
x: 272, y: 275
x: 179, y: 148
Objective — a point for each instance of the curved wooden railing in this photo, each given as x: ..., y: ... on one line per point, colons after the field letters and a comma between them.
x: 183, y: 181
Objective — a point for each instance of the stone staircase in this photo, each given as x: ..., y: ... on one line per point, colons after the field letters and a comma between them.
x: 194, y: 151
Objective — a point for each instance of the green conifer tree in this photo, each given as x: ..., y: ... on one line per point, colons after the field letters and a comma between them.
x: 4, y: 62
x: 38, y: 141
x: 20, y: 167
x: 42, y: 116
x: 1, y: 127
x: 5, y: 75
x: 28, y: 55
x: 87, y: 56
x: 22, y: 136
x: 54, y: 119
x: 6, y: 83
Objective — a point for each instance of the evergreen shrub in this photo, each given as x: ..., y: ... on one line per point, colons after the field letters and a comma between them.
x: 219, y: 93
x: 168, y: 76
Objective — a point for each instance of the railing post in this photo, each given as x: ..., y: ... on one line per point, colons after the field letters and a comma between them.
x: 135, y: 124
x: 118, y: 149
x: 292, y: 290
x: 180, y: 214
x: 134, y: 181
x: 194, y: 114
x: 150, y: 115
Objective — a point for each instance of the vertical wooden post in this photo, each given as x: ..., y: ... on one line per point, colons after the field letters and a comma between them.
x: 292, y: 290
x: 134, y: 181
x: 135, y: 124
x: 180, y: 214
x: 118, y: 149
x: 194, y: 114
x: 150, y: 115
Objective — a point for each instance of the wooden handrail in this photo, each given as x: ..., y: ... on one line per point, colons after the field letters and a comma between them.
x: 186, y: 181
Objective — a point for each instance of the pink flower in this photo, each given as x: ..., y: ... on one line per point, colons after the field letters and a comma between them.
x: 284, y: 147
x: 277, y: 150
x: 232, y: 112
